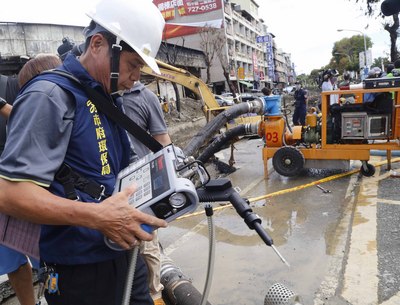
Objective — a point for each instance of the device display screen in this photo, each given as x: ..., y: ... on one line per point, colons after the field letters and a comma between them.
x: 377, y: 125
x: 159, y: 175
x: 151, y: 180
x: 157, y: 182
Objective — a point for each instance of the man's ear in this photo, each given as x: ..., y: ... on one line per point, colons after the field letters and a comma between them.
x: 97, y: 42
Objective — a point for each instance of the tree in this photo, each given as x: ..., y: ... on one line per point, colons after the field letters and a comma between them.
x: 392, y: 29
x: 391, y: 26
x: 345, y: 53
x: 306, y: 80
x: 170, y: 52
x: 379, y: 62
x: 226, y: 68
x: 211, y: 42
x: 315, y: 77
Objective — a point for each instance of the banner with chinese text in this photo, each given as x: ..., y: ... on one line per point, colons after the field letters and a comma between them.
x: 167, y: 8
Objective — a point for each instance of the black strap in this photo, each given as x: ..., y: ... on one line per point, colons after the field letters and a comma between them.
x: 115, y: 114
x: 63, y: 176
x: 71, y: 180
x: 108, y: 108
x: 114, y: 66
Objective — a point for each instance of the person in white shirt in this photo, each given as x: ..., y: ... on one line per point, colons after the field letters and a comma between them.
x: 329, y: 84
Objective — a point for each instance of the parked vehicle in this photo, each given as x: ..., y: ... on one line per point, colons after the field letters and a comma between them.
x: 223, y: 101
x: 256, y: 91
x: 289, y: 90
x: 228, y: 95
x: 247, y: 97
x: 276, y: 91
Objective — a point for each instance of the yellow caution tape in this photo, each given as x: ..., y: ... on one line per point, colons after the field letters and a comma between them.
x: 293, y: 189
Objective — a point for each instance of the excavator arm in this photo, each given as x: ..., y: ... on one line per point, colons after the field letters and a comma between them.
x: 189, y: 81
x: 199, y: 88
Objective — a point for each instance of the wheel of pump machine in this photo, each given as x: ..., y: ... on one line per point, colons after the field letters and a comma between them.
x: 369, y: 172
x: 288, y: 161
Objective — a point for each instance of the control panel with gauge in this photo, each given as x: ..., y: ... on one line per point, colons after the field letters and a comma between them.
x: 160, y: 190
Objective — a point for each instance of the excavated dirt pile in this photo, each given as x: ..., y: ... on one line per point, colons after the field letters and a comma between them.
x: 184, y: 125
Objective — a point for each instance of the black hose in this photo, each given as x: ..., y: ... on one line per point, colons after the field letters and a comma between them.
x: 227, y: 136
x: 221, y: 190
x: 178, y: 288
x: 212, y: 127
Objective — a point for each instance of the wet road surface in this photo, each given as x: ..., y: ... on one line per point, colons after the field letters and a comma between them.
x: 308, y: 227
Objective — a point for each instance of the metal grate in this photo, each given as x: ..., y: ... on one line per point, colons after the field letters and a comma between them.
x: 278, y: 294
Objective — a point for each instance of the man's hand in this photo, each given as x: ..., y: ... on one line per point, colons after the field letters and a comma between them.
x: 114, y: 217
x: 121, y: 222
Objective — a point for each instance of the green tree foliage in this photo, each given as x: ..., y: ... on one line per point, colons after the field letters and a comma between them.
x: 314, y: 77
x: 390, y: 23
x: 379, y: 61
x: 345, y: 53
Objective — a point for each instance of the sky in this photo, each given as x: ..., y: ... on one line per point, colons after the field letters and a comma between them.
x: 307, y: 29
x: 71, y: 12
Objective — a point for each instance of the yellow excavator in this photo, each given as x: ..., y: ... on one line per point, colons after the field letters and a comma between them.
x: 198, y: 87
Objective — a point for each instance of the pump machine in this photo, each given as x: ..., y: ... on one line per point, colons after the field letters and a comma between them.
x: 342, y: 132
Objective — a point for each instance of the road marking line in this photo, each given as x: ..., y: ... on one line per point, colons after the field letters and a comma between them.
x: 332, y: 278
x: 361, y: 274
x: 188, y: 235
x: 388, y: 201
x: 251, y: 186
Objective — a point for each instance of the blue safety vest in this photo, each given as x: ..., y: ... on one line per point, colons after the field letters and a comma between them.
x: 98, y: 150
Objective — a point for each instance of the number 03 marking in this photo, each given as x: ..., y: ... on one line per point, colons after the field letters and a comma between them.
x: 272, y: 136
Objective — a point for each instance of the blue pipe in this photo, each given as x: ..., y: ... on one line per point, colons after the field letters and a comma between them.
x: 272, y: 104
x: 375, y: 152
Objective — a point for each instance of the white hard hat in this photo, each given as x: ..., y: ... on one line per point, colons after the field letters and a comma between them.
x: 375, y: 72
x: 138, y: 23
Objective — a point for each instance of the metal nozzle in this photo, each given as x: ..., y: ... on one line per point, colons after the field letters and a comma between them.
x: 280, y: 256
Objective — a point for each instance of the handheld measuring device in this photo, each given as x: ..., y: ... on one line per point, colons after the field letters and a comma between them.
x: 161, y: 191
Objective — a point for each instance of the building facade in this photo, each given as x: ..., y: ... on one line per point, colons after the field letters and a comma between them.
x: 245, y: 54
x: 248, y: 55
x: 21, y: 41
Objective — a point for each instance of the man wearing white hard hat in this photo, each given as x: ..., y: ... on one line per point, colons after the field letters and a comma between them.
x: 58, y: 138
